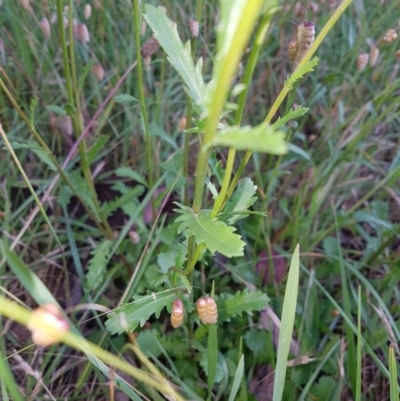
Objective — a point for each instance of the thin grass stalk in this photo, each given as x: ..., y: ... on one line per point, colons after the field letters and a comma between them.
x: 324, y: 31
x: 143, y: 107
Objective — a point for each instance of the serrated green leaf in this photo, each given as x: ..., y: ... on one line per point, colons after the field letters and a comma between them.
x: 247, y: 301
x: 97, y: 146
x: 138, y: 312
x: 97, y: 265
x: 261, y: 138
x: 241, y: 200
x: 80, y: 187
x: 127, y: 172
x: 300, y: 72
x: 40, y: 152
x: 122, y: 201
x: 65, y: 196
x: 178, y: 55
x: 125, y: 98
x: 300, y: 111
x: 216, y: 235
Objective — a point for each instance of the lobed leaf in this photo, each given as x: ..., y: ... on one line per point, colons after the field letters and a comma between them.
x: 246, y: 301
x: 240, y: 201
x: 300, y: 72
x: 101, y: 255
x: 261, y: 138
x: 138, y: 312
x: 178, y: 55
x: 292, y: 114
x: 216, y: 235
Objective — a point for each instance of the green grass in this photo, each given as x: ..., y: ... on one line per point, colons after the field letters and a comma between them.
x: 92, y: 226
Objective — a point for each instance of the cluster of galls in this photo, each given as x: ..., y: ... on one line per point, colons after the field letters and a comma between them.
x: 372, y: 57
x: 206, y: 309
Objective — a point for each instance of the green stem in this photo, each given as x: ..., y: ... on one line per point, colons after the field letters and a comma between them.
x: 139, y: 70
x: 248, y: 75
x: 324, y: 31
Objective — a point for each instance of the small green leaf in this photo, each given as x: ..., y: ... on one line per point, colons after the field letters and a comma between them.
x: 300, y: 72
x: 178, y: 55
x: 40, y: 152
x: 138, y: 312
x: 126, y: 200
x: 127, y: 172
x: 125, y: 98
x: 292, y: 114
x: 256, y: 340
x: 97, y: 266
x: 241, y: 200
x: 56, y: 109
x: 97, y: 146
x: 247, y: 301
x: 261, y: 138
x: 33, y: 105
x: 216, y: 235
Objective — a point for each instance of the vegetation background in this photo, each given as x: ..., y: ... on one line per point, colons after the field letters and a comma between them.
x: 93, y: 226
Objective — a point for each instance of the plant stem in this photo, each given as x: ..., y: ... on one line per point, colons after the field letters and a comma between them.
x: 324, y: 31
x: 139, y: 70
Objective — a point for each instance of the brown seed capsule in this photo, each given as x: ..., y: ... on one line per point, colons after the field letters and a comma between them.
x: 194, y: 28
x: 65, y: 125
x: 83, y: 33
x: 397, y: 54
x: 87, y: 11
x: 362, y: 61
x: 45, y: 27
x: 98, y: 71
x: 373, y: 55
x: 305, y: 38
x: 390, y: 36
x: 177, y: 313
x: 149, y: 47
x: 46, y: 324
x: 207, y: 310
x: 292, y: 50
x: 182, y: 124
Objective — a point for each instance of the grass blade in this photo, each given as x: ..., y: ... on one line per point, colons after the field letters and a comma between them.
x: 285, y: 333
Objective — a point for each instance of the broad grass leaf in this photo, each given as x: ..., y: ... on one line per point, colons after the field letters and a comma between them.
x: 101, y: 255
x: 241, y: 200
x: 178, y: 55
x: 246, y: 301
x: 261, y: 138
x: 138, y: 312
x: 216, y: 235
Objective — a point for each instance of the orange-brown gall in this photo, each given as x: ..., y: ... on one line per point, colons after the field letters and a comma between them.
x: 177, y: 313
x: 207, y: 310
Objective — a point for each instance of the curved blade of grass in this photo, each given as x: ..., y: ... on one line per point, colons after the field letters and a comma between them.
x: 237, y: 379
x: 285, y: 333
x: 394, y: 387
x: 8, y: 380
